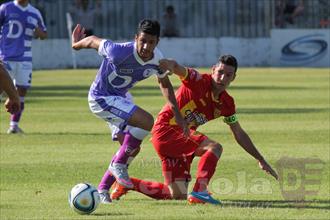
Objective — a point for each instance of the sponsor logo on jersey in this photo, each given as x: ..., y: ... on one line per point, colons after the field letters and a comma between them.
x: 126, y: 71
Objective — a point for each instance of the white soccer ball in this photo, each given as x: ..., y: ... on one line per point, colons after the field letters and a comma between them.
x: 84, y: 198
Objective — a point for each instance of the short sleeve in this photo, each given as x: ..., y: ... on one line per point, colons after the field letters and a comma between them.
x: 2, y: 14
x: 41, y: 23
x: 228, y: 109
x: 102, y: 50
x: 158, y: 55
x: 193, y: 79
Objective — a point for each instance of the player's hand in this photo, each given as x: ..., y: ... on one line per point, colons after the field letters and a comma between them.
x: 78, y: 34
x: 38, y: 32
x: 166, y: 65
x: 183, y: 124
x: 266, y: 167
x: 12, y: 105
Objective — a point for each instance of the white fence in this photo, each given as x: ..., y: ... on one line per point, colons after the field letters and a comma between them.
x: 195, y: 18
x: 284, y: 48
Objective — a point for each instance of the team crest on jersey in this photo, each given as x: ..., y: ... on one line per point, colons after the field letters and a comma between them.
x: 149, y: 72
x: 32, y: 20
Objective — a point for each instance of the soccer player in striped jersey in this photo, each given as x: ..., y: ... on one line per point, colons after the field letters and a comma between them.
x: 125, y: 64
x: 201, y: 98
x: 19, y: 22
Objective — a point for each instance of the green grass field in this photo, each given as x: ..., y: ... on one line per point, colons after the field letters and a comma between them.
x: 285, y: 111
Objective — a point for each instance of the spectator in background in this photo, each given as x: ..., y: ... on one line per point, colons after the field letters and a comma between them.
x: 170, y: 23
x: 19, y: 22
x: 83, y: 13
x: 287, y: 11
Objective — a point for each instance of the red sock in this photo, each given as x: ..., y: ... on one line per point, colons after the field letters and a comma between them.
x: 154, y: 190
x: 205, y: 171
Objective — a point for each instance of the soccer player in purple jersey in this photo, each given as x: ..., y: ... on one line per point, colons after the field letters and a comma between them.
x: 19, y: 22
x: 125, y: 64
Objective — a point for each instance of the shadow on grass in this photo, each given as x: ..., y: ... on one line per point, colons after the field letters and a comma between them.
x: 57, y: 134
x: 279, y: 110
x: 306, y: 204
x: 112, y: 214
x: 152, y: 90
x: 267, y: 88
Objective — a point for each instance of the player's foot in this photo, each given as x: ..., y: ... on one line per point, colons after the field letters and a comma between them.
x: 202, y: 197
x: 118, y: 191
x: 119, y: 171
x: 15, y: 130
x: 104, y: 197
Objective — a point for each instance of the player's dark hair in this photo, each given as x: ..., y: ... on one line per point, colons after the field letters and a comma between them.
x: 228, y: 60
x: 149, y: 26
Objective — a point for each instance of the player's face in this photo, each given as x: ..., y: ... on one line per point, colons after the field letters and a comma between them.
x: 223, y: 75
x: 145, y: 45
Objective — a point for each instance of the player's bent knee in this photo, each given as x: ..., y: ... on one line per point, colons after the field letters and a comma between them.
x: 138, y: 133
x: 216, y: 148
x: 150, y: 121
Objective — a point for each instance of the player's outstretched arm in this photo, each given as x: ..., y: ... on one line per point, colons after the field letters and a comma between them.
x: 173, y: 67
x: 80, y: 41
x: 168, y: 92
x: 246, y: 143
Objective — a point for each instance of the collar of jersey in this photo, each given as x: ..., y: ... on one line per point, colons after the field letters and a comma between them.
x: 154, y: 60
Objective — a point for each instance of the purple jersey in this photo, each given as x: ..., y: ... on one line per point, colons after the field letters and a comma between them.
x: 121, y: 69
x: 17, y: 29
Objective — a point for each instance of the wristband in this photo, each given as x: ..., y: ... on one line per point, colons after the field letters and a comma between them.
x: 231, y: 119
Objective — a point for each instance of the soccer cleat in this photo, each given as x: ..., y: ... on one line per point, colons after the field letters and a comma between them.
x: 202, y: 197
x: 104, y: 197
x: 119, y: 171
x: 15, y: 130
x: 193, y: 200
x: 118, y: 191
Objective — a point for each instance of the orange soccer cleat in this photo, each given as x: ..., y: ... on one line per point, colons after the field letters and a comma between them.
x: 118, y: 191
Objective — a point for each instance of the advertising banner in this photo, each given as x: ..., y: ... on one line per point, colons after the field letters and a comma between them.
x: 300, y: 47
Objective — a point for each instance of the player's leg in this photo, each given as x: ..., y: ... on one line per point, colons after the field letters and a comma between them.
x: 175, y: 186
x: 176, y: 153
x: 152, y: 189
x: 120, y: 112
x: 168, y: 141
x: 21, y: 72
x: 210, y: 152
x: 131, y: 145
x: 108, y: 179
x: 177, y: 176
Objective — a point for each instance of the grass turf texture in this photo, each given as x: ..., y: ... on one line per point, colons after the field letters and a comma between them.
x: 285, y: 112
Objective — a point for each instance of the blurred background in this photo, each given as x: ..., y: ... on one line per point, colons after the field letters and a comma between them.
x: 207, y: 28
x: 117, y: 19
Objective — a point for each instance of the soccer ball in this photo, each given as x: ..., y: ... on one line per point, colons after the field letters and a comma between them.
x: 84, y: 198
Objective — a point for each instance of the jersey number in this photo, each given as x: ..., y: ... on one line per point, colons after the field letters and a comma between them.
x: 126, y: 80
